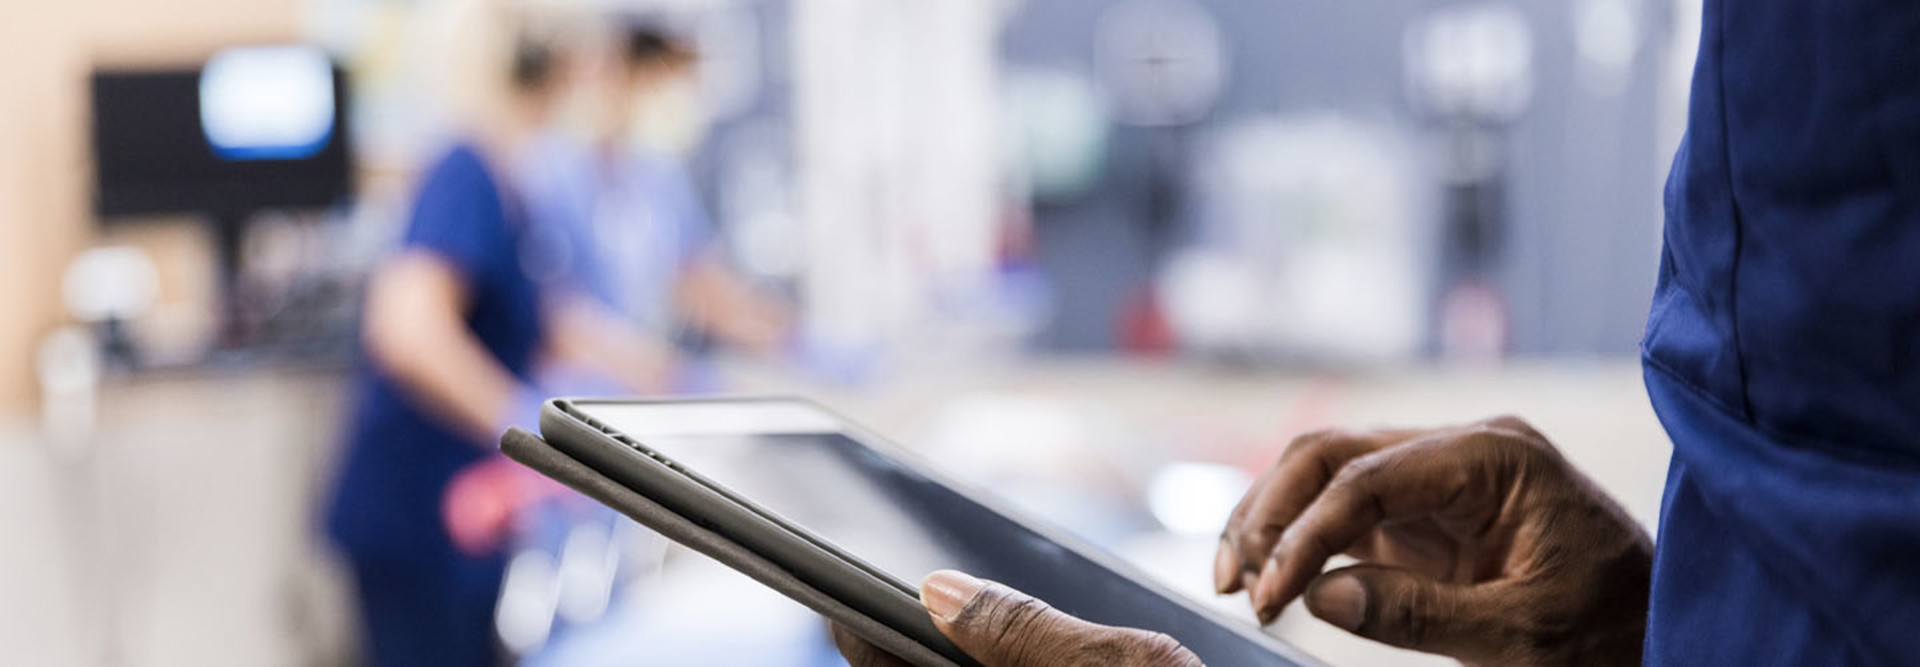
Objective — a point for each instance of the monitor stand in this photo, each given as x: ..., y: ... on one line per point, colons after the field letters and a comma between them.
x: 238, y: 324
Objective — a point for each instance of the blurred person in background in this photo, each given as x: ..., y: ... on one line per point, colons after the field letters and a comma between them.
x: 611, y: 174
x: 1782, y: 355
x: 458, y: 323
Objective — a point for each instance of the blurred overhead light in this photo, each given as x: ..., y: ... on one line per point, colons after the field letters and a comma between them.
x: 267, y: 102
x: 1471, y: 62
x: 1161, y: 62
x: 1606, y: 33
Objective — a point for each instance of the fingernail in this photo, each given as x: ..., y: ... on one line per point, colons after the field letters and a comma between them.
x: 1339, y: 600
x: 947, y: 592
x: 1226, y: 569
x: 1267, y: 616
x: 1266, y: 592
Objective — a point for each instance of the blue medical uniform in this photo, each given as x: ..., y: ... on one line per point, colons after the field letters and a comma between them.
x: 633, y: 222
x: 1783, y: 349
x: 425, y: 602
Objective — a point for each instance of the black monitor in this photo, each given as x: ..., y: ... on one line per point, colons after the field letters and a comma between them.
x: 254, y: 128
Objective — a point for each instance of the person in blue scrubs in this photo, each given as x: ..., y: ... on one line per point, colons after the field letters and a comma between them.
x: 458, y: 324
x: 642, y: 243
x: 1782, y: 355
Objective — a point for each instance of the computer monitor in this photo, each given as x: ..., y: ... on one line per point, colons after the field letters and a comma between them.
x: 253, y: 128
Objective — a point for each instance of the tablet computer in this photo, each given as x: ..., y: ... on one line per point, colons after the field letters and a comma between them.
x: 847, y: 523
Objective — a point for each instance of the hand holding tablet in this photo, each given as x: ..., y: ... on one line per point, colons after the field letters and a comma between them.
x: 1481, y: 542
x: 840, y: 521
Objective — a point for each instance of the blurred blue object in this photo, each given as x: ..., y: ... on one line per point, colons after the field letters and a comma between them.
x: 632, y: 223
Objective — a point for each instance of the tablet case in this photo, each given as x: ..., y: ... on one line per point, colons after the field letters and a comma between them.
x: 528, y: 449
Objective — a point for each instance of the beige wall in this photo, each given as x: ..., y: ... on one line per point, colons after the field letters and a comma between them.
x: 46, y: 51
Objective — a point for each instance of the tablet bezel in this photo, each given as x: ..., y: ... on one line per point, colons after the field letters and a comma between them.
x: 815, y: 560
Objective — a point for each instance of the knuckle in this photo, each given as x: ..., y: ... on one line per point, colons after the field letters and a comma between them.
x: 1492, y: 441
x: 1307, y: 541
x: 1508, y: 422
x: 1532, y: 453
x: 1017, y: 624
x: 1254, y: 539
x: 1514, y: 431
x: 1238, y: 519
x: 1159, y: 648
x: 1360, y: 471
x: 1411, y: 614
x: 1016, y: 614
x: 1416, y: 615
x: 1125, y: 647
x: 1316, y: 442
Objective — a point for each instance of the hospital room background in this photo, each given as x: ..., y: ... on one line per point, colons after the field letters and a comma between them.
x: 1101, y: 258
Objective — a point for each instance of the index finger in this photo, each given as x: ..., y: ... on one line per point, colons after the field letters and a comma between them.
x: 1283, y: 491
x: 1434, y: 474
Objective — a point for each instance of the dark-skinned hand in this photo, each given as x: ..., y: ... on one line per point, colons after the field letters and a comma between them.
x: 1478, y: 542
x: 1002, y: 627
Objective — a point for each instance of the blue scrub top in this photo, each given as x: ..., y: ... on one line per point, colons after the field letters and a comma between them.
x: 399, y: 456
x: 632, y: 223
x: 1783, y: 350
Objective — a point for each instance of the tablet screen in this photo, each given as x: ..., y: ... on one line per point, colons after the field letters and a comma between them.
x: 801, y: 463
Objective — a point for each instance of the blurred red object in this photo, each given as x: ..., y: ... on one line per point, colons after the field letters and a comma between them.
x: 484, y: 499
x: 1144, y: 331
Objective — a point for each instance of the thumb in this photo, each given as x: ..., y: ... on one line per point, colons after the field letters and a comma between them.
x: 1408, y: 610
x: 1002, y: 627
